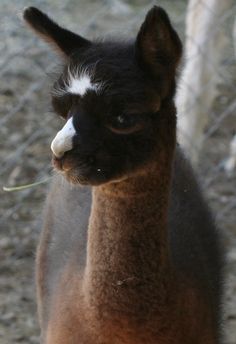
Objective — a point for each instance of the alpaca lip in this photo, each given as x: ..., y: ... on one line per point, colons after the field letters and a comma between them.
x: 68, y: 168
x: 60, y: 164
x: 57, y: 163
x: 77, y: 174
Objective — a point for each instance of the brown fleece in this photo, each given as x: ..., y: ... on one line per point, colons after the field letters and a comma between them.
x: 128, y: 291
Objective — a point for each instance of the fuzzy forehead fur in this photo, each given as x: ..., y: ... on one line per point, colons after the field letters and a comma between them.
x: 109, y: 69
x: 80, y: 84
x: 77, y: 80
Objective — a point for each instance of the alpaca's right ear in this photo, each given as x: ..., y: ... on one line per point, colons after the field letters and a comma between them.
x: 65, y: 41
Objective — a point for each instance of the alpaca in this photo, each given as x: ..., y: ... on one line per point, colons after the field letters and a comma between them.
x: 129, y: 252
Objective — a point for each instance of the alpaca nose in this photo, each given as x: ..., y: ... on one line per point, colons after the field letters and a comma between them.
x: 63, y: 141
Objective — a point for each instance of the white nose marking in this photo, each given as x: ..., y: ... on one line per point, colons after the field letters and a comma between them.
x: 63, y: 140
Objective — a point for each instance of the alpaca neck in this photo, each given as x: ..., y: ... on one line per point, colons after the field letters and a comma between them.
x: 127, y: 251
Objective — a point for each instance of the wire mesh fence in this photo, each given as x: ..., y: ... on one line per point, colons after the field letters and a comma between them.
x: 27, y: 125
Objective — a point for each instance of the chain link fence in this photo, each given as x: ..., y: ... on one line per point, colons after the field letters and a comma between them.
x: 27, y: 126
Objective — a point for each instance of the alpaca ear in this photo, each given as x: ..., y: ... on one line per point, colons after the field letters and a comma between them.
x: 157, y: 44
x: 65, y: 41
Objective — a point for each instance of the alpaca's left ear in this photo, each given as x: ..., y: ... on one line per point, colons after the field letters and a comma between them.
x: 65, y: 41
x: 157, y: 44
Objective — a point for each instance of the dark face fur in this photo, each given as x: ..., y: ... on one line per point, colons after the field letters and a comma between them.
x: 114, y: 97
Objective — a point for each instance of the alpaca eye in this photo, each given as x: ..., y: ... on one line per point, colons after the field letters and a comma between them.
x: 124, y: 121
x: 121, y: 119
x: 126, y: 124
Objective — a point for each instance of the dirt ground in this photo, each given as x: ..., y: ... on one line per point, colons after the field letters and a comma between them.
x: 27, y: 126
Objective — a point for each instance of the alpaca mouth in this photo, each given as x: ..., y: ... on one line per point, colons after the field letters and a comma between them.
x: 74, y: 177
x: 69, y: 162
x: 57, y: 163
x: 79, y: 172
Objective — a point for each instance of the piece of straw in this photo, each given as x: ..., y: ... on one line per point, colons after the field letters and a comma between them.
x: 26, y: 186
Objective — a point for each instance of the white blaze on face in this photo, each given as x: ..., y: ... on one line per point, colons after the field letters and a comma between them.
x: 63, y: 140
x: 78, y: 81
x: 80, y: 85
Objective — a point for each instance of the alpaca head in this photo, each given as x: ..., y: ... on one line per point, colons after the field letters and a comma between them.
x: 113, y: 96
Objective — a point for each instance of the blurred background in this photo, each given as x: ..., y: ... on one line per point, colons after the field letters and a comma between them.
x: 207, y: 129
